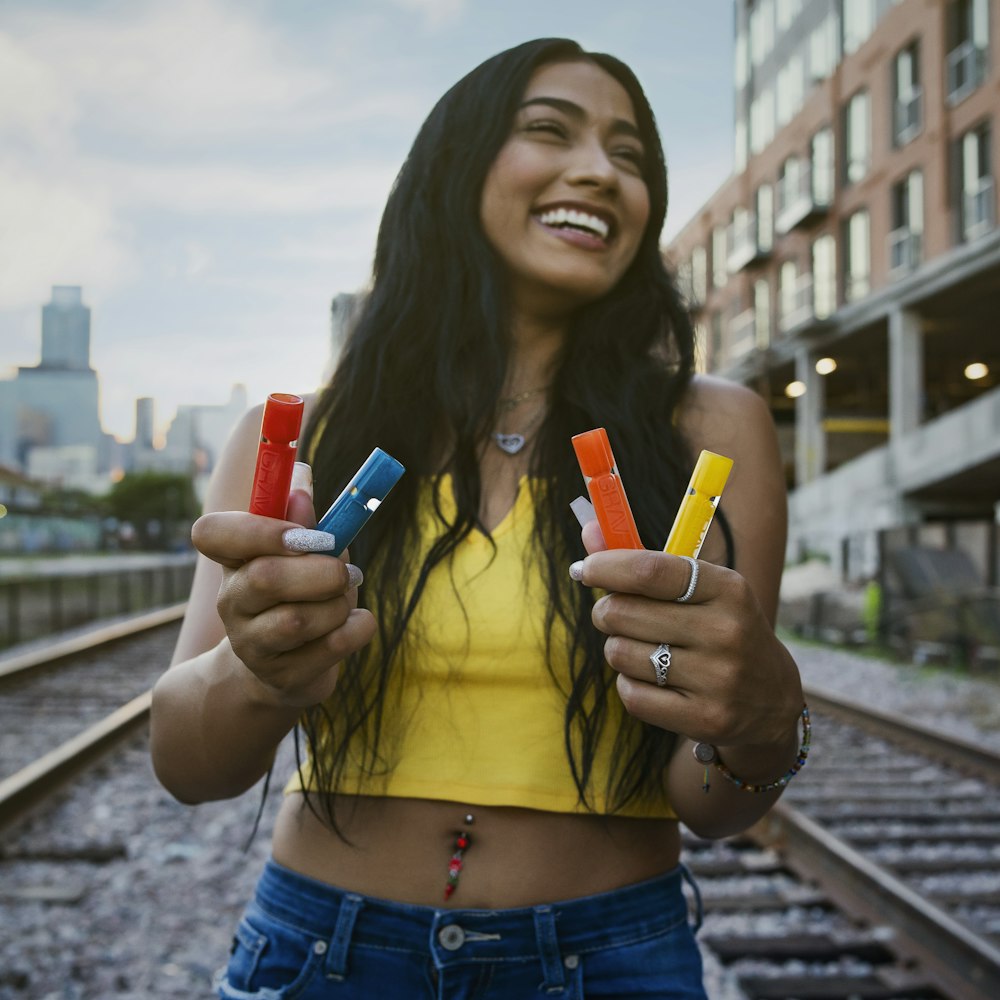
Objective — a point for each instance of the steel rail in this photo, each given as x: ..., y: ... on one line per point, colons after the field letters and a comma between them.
x: 956, y: 750
x: 90, y: 639
x: 963, y: 963
x: 39, y: 780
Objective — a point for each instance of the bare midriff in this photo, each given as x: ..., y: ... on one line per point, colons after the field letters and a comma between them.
x: 399, y: 849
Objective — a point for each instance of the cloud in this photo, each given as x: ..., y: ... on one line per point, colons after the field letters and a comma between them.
x: 49, y: 229
x: 435, y: 12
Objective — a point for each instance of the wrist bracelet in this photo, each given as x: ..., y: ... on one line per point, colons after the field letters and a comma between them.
x: 706, y: 754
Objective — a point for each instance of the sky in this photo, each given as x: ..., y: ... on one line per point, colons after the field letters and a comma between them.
x: 212, y: 172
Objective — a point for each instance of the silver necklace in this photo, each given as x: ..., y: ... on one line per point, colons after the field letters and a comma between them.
x: 513, y: 443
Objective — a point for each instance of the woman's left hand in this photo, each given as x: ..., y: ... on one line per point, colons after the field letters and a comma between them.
x: 730, y: 681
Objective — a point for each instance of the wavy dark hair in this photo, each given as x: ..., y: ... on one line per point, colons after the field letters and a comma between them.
x: 421, y: 375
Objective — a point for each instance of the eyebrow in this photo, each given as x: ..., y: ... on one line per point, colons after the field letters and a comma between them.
x: 619, y: 126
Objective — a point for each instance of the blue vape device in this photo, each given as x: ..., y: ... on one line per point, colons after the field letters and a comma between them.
x: 367, y: 489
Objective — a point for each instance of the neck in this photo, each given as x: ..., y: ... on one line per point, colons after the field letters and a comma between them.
x: 535, y: 348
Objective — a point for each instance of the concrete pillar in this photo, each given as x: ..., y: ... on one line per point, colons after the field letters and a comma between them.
x: 810, y: 438
x: 906, y: 372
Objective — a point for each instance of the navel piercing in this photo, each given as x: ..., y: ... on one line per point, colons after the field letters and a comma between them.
x: 463, y: 841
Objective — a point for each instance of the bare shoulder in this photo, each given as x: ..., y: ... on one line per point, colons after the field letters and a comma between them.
x: 726, y: 413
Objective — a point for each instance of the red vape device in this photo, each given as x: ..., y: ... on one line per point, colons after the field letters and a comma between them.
x: 597, y: 463
x: 279, y: 435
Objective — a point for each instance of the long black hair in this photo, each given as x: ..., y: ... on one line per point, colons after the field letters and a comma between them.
x: 421, y: 375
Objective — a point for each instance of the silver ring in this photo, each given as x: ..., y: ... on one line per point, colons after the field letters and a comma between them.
x: 660, y: 658
x: 692, y: 583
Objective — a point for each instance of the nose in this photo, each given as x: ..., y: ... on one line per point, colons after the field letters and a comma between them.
x: 592, y: 166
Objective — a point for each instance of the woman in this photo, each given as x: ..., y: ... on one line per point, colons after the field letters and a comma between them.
x: 494, y: 774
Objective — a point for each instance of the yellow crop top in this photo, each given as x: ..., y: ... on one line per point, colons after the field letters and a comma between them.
x: 477, y: 717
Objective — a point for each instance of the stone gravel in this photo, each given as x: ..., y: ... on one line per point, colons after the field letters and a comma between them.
x: 117, y: 891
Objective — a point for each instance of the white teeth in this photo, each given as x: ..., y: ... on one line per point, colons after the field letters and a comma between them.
x: 572, y: 217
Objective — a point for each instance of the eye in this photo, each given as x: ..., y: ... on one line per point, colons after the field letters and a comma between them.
x: 546, y: 125
x: 632, y: 155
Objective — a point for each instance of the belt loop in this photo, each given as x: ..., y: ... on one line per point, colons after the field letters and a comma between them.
x: 336, y: 958
x: 548, y: 950
x: 699, y: 910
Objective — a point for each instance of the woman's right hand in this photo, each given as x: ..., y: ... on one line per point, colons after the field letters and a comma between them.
x: 291, y: 616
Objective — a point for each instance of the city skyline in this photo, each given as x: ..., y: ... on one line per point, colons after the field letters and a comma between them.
x: 212, y: 174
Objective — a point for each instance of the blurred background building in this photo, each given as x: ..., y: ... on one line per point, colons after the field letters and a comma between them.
x: 849, y: 269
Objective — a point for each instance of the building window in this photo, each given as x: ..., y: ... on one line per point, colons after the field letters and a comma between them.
x: 823, y: 50
x: 857, y: 137
x: 761, y: 31
x: 790, y: 90
x: 788, y: 278
x: 907, y: 111
x: 857, y: 256
x: 859, y: 23
x: 762, y: 313
x: 715, y: 340
x: 741, y: 61
x: 720, y: 270
x: 765, y: 218
x: 968, y: 47
x: 789, y: 183
x: 976, y: 192
x: 822, y: 166
x: 907, y: 223
x: 740, y: 151
x: 762, y: 120
x: 699, y: 276
x: 787, y: 11
x: 824, y: 267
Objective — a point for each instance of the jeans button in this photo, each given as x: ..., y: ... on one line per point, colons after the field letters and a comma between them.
x: 451, y: 937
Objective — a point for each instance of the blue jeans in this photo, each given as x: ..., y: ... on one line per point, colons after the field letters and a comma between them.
x: 300, y: 939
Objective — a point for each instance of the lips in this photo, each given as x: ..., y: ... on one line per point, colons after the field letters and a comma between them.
x: 591, y: 222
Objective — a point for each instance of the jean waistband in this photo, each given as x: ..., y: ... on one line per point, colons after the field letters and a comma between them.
x: 608, y: 919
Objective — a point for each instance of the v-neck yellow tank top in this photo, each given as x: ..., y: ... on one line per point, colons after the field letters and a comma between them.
x: 475, y: 715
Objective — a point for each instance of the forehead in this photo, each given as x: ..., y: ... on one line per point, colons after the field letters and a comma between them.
x: 585, y: 84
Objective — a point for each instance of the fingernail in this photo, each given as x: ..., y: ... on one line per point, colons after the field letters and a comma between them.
x: 302, y: 477
x: 584, y: 511
x: 354, y: 575
x: 576, y: 570
x: 307, y: 540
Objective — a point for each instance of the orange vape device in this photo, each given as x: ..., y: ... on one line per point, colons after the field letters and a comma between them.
x: 279, y: 435
x: 597, y: 463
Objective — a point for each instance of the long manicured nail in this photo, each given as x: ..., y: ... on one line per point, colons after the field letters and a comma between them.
x: 354, y: 575
x: 584, y: 511
x: 307, y: 540
x: 576, y: 570
x: 302, y: 477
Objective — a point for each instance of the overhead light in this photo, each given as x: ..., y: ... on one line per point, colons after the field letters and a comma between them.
x: 795, y: 389
x: 976, y: 370
x: 826, y: 365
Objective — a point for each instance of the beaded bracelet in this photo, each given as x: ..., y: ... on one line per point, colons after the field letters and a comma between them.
x: 706, y: 754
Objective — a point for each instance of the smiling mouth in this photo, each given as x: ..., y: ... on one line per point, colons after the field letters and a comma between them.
x: 571, y: 218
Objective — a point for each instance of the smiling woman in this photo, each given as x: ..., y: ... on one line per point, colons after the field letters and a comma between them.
x: 494, y: 768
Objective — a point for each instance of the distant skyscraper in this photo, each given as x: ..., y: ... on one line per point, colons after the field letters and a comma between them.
x: 144, y: 422
x: 57, y: 401
x: 66, y: 330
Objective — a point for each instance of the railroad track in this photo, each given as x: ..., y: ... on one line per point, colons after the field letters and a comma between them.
x: 891, y: 823
x: 877, y: 876
x: 64, y: 705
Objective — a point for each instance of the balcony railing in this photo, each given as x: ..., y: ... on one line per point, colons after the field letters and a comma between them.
x: 966, y: 69
x: 907, y: 116
x: 978, y: 210
x: 904, y: 251
x: 797, y: 304
x: 799, y: 201
x: 744, y: 245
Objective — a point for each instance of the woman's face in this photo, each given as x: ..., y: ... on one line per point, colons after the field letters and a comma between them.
x: 564, y: 203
